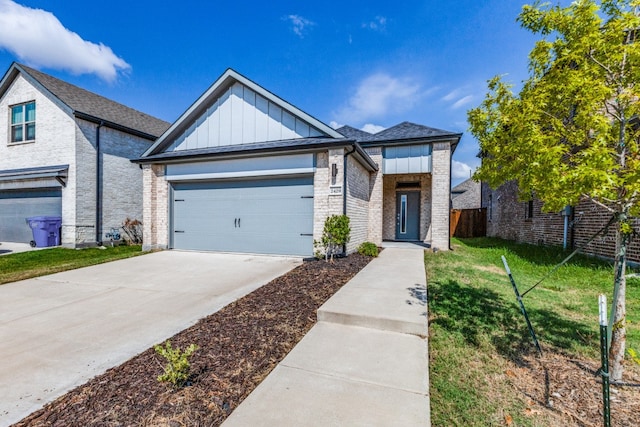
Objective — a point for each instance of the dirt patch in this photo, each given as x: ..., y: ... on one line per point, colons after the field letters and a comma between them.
x: 238, y: 347
x: 568, y: 388
x: 490, y: 269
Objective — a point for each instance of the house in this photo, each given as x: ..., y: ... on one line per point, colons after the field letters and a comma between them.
x: 466, y: 195
x: 243, y: 170
x: 510, y: 218
x: 66, y: 152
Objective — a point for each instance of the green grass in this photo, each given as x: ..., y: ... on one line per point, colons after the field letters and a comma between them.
x: 476, y: 328
x: 25, y: 265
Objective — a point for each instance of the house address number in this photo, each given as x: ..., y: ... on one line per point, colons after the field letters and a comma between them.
x: 335, y: 190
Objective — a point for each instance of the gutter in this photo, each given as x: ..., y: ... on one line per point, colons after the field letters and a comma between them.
x: 98, y: 187
x: 113, y: 125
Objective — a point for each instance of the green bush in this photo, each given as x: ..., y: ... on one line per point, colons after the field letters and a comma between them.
x: 176, y: 371
x: 368, y: 249
x: 335, y: 234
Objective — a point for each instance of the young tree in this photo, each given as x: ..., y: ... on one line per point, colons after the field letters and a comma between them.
x: 571, y: 133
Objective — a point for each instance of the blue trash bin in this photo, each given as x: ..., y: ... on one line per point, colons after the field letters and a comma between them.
x: 45, y: 230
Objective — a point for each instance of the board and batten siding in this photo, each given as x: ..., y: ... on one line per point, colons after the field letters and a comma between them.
x: 241, y: 116
x: 407, y: 159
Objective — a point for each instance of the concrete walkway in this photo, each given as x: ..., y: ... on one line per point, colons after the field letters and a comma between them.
x: 365, y: 363
x: 58, y: 331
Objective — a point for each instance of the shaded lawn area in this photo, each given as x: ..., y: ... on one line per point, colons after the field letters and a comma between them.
x: 484, y: 369
x: 25, y: 265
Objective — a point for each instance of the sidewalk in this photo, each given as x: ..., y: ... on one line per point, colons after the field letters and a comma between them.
x: 365, y: 363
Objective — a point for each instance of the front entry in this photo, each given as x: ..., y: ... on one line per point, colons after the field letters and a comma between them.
x: 408, y: 215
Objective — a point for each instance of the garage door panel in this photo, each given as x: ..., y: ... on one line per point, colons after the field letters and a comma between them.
x: 262, y: 216
x: 15, y: 206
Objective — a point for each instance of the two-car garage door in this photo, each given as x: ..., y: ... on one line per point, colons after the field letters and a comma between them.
x: 271, y: 216
x: 15, y: 206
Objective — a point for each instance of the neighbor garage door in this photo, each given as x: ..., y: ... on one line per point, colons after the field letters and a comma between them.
x: 270, y: 216
x: 15, y: 206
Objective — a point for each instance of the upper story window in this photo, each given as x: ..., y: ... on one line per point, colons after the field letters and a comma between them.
x: 23, y: 122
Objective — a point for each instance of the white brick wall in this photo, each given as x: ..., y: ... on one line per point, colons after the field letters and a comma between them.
x: 155, y: 216
x: 62, y: 139
x: 441, y: 191
x: 54, y: 144
x: 358, y: 196
x: 121, y: 179
x: 375, y: 197
x: 325, y: 204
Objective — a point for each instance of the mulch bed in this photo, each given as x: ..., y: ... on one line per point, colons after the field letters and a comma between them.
x: 238, y: 347
x: 569, y: 389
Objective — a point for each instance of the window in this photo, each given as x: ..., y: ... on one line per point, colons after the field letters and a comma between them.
x: 23, y: 122
x: 529, y: 210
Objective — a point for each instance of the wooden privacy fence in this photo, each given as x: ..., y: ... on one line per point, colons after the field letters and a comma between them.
x: 468, y: 222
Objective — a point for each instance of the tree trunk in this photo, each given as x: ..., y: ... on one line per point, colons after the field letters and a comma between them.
x: 618, y: 329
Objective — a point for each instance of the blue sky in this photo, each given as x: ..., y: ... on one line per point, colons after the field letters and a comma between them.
x: 370, y: 64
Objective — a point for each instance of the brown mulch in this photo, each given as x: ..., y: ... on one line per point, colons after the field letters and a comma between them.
x: 568, y: 388
x: 238, y: 347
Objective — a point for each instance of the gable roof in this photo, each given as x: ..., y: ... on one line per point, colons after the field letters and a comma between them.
x: 215, y: 91
x: 88, y: 105
x: 400, y: 133
x: 464, y: 186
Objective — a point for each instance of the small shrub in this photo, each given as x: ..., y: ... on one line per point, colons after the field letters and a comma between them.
x: 368, y: 249
x: 176, y: 371
x: 132, y: 231
x: 634, y: 355
x: 336, y: 233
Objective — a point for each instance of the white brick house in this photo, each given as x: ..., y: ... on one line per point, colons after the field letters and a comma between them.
x: 66, y: 152
x: 243, y: 170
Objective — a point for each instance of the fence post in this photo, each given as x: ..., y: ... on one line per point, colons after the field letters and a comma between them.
x: 604, y: 357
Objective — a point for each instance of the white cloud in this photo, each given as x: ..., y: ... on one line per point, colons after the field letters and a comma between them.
x: 38, y: 38
x: 378, y: 95
x: 335, y: 125
x: 379, y: 23
x: 462, y: 102
x: 460, y: 170
x: 299, y: 24
x: 371, y: 128
x: 451, y: 95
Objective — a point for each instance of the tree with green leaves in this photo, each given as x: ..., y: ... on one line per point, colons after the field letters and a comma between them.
x: 571, y: 133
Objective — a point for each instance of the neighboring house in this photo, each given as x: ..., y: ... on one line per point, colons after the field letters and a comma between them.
x: 466, y: 195
x: 66, y: 152
x: 242, y: 170
x: 524, y: 221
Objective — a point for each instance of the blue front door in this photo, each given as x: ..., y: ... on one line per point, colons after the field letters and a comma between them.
x: 408, y: 215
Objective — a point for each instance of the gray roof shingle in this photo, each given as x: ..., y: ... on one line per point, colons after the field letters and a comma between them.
x: 357, y: 134
x: 90, y: 104
x: 405, y: 131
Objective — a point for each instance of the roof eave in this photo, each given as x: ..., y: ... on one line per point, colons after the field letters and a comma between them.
x: 361, y: 155
x: 113, y: 125
x: 453, y: 138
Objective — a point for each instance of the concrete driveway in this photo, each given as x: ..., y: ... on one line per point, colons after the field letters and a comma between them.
x: 58, y: 331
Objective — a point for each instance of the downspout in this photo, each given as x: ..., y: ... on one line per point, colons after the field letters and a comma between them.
x: 344, y: 188
x: 98, y: 187
x: 565, y: 232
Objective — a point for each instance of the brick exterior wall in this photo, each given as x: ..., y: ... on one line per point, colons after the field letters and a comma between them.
x: 62, y: 139
x: 326, y: 204
x: 358, y: 195
x: 508, y: 218
x: 121, y: 179
x: 155, y: 210
x: 54, y: 145
x: 440, y: 195
x: 375, y: 197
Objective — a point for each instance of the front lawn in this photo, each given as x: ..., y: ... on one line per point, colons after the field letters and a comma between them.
x: 25, y: 265
x: 484, y: 369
